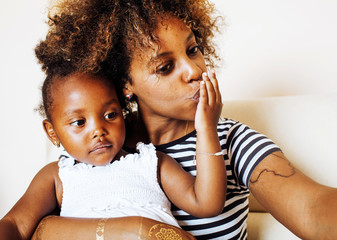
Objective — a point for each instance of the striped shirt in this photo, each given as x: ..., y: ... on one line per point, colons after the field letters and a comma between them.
x: 243, y: 149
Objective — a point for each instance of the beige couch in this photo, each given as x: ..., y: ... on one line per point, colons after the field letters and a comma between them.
x: 305, y: 127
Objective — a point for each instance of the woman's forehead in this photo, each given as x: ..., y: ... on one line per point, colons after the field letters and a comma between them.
x: 168, y: 30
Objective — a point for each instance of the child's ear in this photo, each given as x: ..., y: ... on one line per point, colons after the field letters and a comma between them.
x: 49, y: 129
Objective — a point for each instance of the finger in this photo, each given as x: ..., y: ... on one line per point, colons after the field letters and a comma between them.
x: 214, y: 81
x: 203, y: 93
x: 210, y: 91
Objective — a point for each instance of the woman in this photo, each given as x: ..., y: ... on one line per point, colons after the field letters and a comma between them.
x: 156, y: 51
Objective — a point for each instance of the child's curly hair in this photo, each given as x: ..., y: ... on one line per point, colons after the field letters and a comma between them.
x: 79, y: 31
x: 77, y: 39
x: 102, y: 35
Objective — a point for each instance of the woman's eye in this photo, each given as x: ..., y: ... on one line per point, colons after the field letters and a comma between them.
x: 164, y: 69
x: 78, y: 123
x: 111, y: 115
x: 194, y: 50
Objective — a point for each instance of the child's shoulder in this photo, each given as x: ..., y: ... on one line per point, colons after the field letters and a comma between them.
x: 49, y: 170
x: 52, y: 166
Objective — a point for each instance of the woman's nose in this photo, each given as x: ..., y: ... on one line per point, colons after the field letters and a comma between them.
x: 192, y: 72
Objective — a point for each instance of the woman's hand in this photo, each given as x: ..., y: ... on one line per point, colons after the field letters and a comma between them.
x: 210, y: 105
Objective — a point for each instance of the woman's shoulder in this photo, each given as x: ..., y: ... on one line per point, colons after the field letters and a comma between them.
x: 227, y: 125
x: 228, y: 122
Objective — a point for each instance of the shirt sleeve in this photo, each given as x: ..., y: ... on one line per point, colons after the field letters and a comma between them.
x: 246, y: 149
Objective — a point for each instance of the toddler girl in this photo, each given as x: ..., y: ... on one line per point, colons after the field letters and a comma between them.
x: 95, y: 178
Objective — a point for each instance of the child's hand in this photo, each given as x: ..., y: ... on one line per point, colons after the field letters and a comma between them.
x: 210, y: 105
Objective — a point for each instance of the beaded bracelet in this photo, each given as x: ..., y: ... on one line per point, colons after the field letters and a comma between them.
x: 100, y: 229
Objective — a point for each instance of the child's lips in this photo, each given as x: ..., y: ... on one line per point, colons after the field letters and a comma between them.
x: 101, y: 147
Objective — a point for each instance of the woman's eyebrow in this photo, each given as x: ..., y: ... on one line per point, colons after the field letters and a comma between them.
x: 157, y: 56
x: 163, y: 54
x: 189, y: 37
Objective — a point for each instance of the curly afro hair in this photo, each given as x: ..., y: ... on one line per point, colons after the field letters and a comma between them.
x: 101, y: 35
x: 78, y: 34
x: 79, y: 31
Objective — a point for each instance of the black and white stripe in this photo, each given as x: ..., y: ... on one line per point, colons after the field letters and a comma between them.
x: 244, y: 148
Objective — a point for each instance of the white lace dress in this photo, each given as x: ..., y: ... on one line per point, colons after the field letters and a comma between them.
x: 128, y: 187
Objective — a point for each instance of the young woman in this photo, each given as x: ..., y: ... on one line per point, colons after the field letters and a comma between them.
x: 156, y: 51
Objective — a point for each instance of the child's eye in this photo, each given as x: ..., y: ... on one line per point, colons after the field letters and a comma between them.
x: 78, y: 123
x: 164, y: 69
x: 111, y: 115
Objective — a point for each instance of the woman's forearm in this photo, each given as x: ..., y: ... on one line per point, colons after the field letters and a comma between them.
x: 128, y: 228
x: 55, y: 227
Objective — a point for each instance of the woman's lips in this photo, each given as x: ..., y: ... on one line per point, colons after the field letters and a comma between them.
x: 196, y: 96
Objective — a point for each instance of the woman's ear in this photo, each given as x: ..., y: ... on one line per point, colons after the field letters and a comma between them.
x: 49, y: 129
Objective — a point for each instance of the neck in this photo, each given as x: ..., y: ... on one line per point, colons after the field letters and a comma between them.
x: 162, y: 130
x: 157, y: 130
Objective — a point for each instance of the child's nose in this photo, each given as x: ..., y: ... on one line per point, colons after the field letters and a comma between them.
x: 99, y: 133
x: 98, y: 130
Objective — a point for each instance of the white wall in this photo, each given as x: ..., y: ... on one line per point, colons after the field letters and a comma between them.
x: 278, y: 48
x: 22, y: 140
x: 270, y: 48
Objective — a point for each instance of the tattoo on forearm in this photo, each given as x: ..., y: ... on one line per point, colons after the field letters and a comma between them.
x: 164, y: 232
x: 291, y: 173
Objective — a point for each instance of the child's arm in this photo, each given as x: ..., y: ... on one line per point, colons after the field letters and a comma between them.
x: 38, y: 201
x: 203, y: 196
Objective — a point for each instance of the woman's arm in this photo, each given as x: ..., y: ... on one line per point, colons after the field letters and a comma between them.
x: 203, y: 196
x: 38, y: 201
x: 126, y: 228
x: 305, y: 207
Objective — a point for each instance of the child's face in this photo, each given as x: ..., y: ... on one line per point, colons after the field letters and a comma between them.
x: 87, y: 118
x: 166, y: 82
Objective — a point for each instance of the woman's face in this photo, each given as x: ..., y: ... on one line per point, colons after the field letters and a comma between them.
x: 166, y: 80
